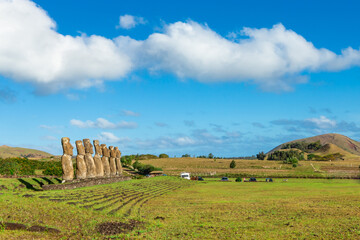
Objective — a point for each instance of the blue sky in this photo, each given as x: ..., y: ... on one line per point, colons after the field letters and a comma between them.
x: 228, y: 77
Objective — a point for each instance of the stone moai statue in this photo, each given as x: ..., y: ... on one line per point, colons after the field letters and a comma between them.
x: 66, y: 162
x: 112, y: 161
x: 105, y: 159
x: 89, y: 160
x: 97, y: 159
x: 80, y: 160
x: 118, y: 161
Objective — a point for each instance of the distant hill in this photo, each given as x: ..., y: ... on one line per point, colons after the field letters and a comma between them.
x: 333, y: 143
x: 7, y: 152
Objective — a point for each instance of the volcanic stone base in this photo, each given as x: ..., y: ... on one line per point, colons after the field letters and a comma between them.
x: 77, y: 183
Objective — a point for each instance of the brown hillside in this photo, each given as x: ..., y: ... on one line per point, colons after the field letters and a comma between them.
x: 7, y: 152
x: 345, y: 143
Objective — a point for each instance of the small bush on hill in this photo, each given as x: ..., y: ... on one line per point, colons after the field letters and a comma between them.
x: 261, y: 156
x: 303, y: 146
x: 163, y: 155
x: 145, y: 168
x: 283, y: 155
x: 291, y: 160
x: 232, y: 164
x: 185, y: 155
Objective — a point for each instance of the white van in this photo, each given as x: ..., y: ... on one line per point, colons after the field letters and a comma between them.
x: 185, y: 175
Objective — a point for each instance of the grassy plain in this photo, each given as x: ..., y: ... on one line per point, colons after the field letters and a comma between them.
x: 172, y: 208
x: 257, y: 168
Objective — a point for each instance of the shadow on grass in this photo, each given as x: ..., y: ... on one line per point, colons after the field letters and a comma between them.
x: 40, y: 183
x: 48, y: 180
x: 28, y: 185
x: 58, y: 180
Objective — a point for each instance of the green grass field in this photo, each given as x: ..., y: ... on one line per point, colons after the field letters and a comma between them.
x: 172, y: 208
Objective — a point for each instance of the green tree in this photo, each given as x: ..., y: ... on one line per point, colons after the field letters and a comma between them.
x: 163, y: 155
x: 210, y: 155
x: 261, y: 156
x: 232, y: 164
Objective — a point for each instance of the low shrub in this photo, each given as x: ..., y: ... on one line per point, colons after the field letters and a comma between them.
x: 145, y: 169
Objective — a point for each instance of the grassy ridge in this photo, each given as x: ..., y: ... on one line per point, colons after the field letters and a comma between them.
x: 258, y: 168
x: 343, y: 142
x: 9, y: 152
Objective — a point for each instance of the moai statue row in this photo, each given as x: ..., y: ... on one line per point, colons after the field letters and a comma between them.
x: 118, y: 161
x: 66, y: 162
x: 105, y: 163
x: 105, y: 159
x: 97, y: 159
x: 81, y: 169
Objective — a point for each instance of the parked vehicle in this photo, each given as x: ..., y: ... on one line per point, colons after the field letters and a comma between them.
x: 196, y: 178
x: 252, y: 179
x: 224, y: 179
x: 185, y: 175
x: 269, y: 180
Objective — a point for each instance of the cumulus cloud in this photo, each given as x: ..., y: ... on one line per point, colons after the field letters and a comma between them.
x: 32, y: 51
x: 102, y: 123
x: 109, y: 137
x: 321, y: 124
x: 130, y: 113
x: 273, y: 58
x: 128, y: 21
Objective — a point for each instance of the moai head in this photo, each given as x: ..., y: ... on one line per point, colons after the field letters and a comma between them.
x: 67, y: 147
x: 105, y: 150
x: 80, y: 147
x: 97, y: 147
x: 88, y: 146
x: 118, y: 153
x: 112, y: 151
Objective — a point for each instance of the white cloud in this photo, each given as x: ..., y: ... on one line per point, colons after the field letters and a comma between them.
x: 109, y: 137
x: 322, y: 122
x: 102, y: 123
x: 130, y: 113
x: 31, y: 50
x: 272, y: 58
x: 128, y: 21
